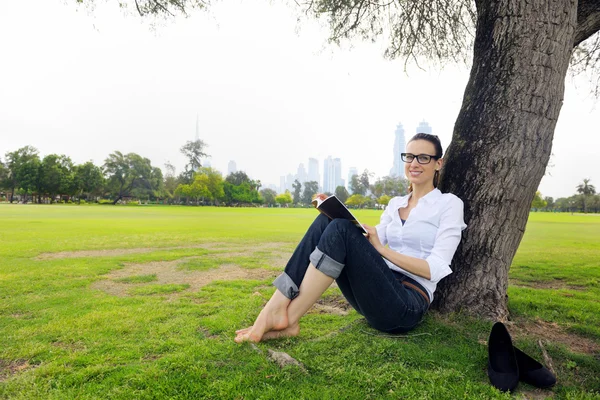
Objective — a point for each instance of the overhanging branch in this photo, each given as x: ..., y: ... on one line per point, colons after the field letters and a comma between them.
x: 588, y: 20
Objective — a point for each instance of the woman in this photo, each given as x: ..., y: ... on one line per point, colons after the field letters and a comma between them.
x: 391, y: 286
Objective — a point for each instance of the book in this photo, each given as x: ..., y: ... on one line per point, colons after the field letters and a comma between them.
x: 333, y: 208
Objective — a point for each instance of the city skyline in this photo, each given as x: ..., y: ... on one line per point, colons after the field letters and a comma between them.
x: 334, y: 175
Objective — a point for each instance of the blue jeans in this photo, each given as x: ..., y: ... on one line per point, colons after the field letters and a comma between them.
x: 339, y: 250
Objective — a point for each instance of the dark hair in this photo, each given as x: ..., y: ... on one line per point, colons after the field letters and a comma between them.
x: 435, y: 141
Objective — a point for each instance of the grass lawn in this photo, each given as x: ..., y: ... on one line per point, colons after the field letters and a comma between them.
x: 103, y: 302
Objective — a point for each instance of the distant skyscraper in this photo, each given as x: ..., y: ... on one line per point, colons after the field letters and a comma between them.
x: 424, y: 127
x: 399, y: 147
x: 289, y: 182
x: 301, y: 174
x: 351, y: 172
x: 282, y: 184
x: 332, y: 174
x: 231, y: 167
x: 337, y: 171
x: 313, y: 170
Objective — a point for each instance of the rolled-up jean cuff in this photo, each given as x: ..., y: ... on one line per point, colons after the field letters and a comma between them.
x: 326, y: 264
x: 286, y: 285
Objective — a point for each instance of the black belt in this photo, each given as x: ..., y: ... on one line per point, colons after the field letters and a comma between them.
x: 411, y: 283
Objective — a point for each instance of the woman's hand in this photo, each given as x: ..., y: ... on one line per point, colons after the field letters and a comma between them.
x: 373, y: 237
x: 321, y: 196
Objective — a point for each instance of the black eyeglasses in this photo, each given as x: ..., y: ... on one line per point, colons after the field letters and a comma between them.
x: 421, y: 158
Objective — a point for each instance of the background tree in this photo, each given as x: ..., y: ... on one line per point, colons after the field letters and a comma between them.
x: 56, y: 175
x: 170, y: 181
x: 156, y: 181
x: 356, y: 200
x: 29, y: 177
x: 297, y: 190
x: 193, y: 150
x: 128, y: 173
x: 214, y: 183
x: 585, y: 189
x: 355, y: 186
x: 310, y: 189
x: 199, y: 188
x: 391, y: 186
x: 359, y: 184
x: 384, y: 200
x: 594, y: 203
x: 341, y: 193
x: 3, y: 176
x: 22, y: 169
x: 577, y: 203
x: 89, y: 180
x: 284, y: 199
x: 237, y: 178
x: 268, y: 196
x: 183, y: 190
x: 538, y: 203
x: 255, y: 184
x: 240, y: 194
x: 549, y: 203
x: 240, y: 189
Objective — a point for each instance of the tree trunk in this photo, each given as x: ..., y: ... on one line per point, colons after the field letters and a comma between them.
x: 502, y: 141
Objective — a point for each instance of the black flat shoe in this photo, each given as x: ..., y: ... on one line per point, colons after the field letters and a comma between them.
x: 503, y: 370
x: 532, y: 372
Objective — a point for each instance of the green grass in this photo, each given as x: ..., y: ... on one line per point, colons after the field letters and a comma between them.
x: 62, y: 336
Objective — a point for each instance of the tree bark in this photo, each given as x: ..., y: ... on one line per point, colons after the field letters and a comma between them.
x: 502, y: 142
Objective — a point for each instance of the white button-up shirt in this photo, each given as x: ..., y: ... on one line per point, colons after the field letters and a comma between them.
x: 431, y: 232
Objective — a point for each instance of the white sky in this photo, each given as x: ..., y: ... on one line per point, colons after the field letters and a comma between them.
x: 269, y: 92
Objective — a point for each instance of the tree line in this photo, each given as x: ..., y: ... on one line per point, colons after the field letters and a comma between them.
x: 27, y: 177
x: 584, y: 200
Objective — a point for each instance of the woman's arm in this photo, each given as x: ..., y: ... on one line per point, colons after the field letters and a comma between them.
x: 414, y: 265
x: 437, y: 265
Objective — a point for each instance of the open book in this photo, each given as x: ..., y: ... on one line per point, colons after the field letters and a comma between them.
x: 334, y: 208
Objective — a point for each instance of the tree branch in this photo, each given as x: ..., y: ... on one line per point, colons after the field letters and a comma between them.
x: 588, y: 20
x: 138, y: 8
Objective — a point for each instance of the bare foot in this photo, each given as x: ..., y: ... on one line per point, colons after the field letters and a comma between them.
x: 290, y: 331
x: 272, y: 318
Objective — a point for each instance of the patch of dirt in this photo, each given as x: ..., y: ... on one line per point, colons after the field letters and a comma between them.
x: 555, y: 284
x: 552, y: 332
x: 206, y: 333
x: 336, y: 305
x: 76, y: 346
x: 10, y: 368
x: 236, y: 249
x: 118, y: 252
x: 23, y: 315
x: 167, y: 272
x: 284, y: 359
x: 536, y: 394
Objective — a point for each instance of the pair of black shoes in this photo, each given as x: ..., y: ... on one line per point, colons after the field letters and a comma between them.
x: 508, y: 365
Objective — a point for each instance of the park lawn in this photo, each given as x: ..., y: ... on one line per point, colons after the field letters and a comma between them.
x: 103, y: 302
